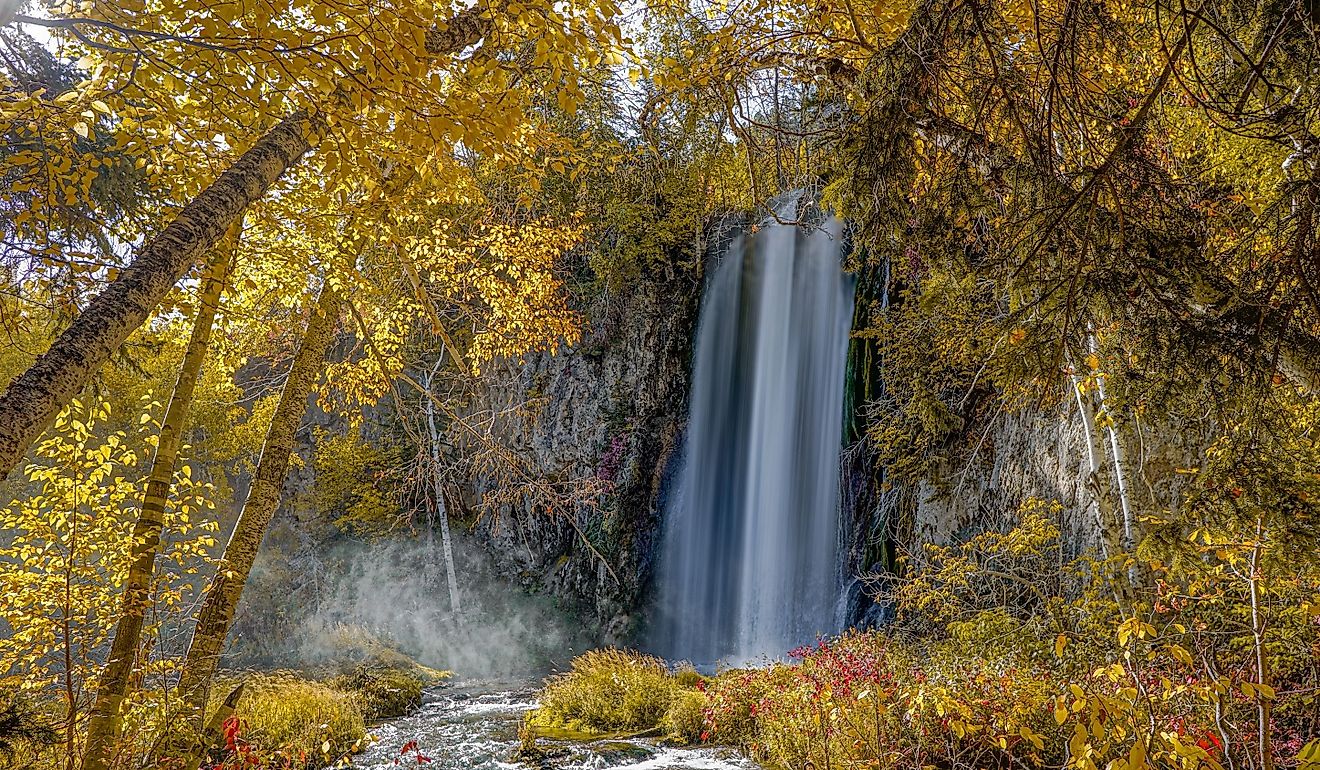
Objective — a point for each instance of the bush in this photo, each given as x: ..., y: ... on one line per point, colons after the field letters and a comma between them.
x: 383, y: 693
x: 304, y: 722
x: 609, y: 691
x: 345, y: 647
x: 997, y: 667
x: 685, y: 721
x: 23, y: 732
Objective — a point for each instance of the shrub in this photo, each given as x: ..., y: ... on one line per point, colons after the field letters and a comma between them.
x: 383, y: 693
x: 345, y: 647
x: 609, y: 691
x: 994, y: 665
x: 685, y: 721
x: 304, y: 722
x: 24, y: 733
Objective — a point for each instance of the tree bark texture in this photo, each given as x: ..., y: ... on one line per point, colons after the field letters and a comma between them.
x: 106, y: 717
x: 215, y: 728
x: 217, y: 612
x: 34, y: 398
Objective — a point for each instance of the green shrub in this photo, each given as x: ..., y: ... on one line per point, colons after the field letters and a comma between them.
x: 689, y: 678
x: 609, y: 691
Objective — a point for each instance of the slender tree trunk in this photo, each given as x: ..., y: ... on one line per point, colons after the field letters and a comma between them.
x: 1264, y: 721
x: 1116, y: 455
x: 442, y: 514
x: 32, y: 400
x: 1111, y: 526
x: 106, y: 718
x: 217, y: 612
x: 215, y: 727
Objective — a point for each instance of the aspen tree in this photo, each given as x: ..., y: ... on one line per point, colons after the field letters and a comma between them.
x: 106, y: 718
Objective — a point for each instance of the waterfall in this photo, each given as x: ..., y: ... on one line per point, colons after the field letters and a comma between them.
x: 749, y: 563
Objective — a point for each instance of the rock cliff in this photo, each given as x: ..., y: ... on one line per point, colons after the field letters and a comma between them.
x: 599, y: 424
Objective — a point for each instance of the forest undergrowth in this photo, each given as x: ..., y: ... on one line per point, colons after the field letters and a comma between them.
x: 991, y: 665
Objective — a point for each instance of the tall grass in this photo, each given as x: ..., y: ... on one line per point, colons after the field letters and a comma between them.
x: 299, y: 719
x: 610, y: 690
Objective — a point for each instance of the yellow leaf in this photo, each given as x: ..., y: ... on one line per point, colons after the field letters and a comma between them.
x: 1137, y: 756
x: 1181, y: 654
x: 1309, y: 757
x: 80, y: 128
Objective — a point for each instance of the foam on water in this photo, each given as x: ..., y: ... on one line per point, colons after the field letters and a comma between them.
x: 474, y: 726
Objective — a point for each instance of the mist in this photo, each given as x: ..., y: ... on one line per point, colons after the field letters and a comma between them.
x: 391, y: 594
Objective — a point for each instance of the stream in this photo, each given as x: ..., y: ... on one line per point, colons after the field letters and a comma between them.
x: 474, y: 726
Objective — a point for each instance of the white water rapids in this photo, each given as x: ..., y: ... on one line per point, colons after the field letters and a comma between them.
x: 474, y: 726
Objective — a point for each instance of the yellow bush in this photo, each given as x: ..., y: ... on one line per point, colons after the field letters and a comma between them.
x: 609, y: 690
x: 383, y: 693
x: 304, y: 720
x: 685, y: 721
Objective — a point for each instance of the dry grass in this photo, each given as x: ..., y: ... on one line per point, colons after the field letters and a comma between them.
x: 609, y: 690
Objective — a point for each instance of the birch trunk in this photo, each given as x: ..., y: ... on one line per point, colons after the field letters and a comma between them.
x: 1111, y: 526
x: 1264, y: 720
x: 441, y: 513
x: 217, y: 612
x: 1116, y: 450
x: 32, y: 400
x: 106, y: 718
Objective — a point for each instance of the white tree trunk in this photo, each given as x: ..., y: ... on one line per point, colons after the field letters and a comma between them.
x: 440, y: 513
x: 1116, y: 452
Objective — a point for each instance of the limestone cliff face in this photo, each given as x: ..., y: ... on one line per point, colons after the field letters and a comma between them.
x: 1017, y: 457
x: 599, y: 424
x: 1043, y: 454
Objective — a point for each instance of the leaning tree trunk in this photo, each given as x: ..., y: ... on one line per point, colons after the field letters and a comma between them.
x: 215, y: 727
x: 106, y: 717
x: 217, y: 612
x: 33, y: 399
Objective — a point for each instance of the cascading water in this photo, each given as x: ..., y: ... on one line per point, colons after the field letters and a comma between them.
x: 749, y: 563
